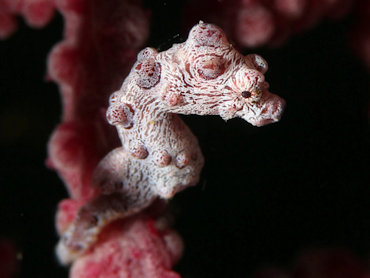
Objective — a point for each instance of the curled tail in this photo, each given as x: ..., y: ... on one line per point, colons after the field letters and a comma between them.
x: 92, y: 218
x: 122, y: 195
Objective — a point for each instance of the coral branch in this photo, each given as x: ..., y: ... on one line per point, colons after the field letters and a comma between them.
x: 37, y: 13
x: 99, y: 47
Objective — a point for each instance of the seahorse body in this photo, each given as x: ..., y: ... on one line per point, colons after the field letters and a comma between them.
x: 159, y: 155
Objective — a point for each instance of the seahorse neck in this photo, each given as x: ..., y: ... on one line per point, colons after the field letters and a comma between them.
x: 152, y: 123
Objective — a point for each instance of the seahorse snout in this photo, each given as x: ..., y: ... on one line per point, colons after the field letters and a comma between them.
x: 265, y: 111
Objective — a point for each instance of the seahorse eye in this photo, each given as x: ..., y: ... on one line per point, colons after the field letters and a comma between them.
x: 246, y: 94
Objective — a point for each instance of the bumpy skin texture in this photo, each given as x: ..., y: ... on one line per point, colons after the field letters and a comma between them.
x: 159, y: 155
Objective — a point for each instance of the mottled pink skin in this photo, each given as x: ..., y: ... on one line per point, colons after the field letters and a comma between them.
x: 133, y: 248
x: 37, y: 13
x: 159, y: 155
x: 321, y: 263
x: 254, y: 23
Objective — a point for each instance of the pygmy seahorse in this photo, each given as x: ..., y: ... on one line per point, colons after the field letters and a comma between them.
x: 160, y: 156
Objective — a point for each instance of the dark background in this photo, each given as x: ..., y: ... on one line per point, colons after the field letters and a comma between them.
x: 266, y: 193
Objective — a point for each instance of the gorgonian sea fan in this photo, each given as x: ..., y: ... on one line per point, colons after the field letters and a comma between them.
x: 105, y: 36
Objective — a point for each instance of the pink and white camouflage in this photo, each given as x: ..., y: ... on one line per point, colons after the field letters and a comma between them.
x: 159, y: 155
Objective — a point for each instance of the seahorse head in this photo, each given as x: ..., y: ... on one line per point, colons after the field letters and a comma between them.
x: 217, y: 79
